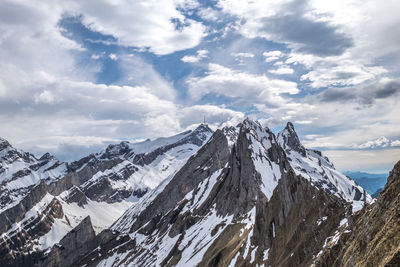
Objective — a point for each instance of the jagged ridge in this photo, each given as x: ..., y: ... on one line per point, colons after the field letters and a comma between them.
x: 315, y: 167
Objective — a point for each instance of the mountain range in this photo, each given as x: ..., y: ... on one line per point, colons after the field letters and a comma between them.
x: 239, y: 196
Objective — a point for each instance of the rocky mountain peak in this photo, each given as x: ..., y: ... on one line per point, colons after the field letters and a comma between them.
x: 199, y: 135
x: 317, y: 168
x: 250, y: 124
x: 10, y: 154
x: 7, y: 150
x: 47, y: 156
x: 290, y: 126
x: 4, y: 144
x: 115, y: 150
x: 231, y: 134
x: 255, y: 130
x: 289, y: 139
x: 202, y: 128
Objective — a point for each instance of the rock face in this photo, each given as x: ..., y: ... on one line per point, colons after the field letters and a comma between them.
x: 66, y: 252
x: 371, y: 238
x: 237, y: 202
x: 18, y: 248
x: 53, y: 198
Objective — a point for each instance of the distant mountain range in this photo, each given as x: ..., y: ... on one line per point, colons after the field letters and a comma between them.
x: 371, y: 182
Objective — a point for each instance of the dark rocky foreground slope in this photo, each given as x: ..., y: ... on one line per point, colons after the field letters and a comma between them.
x: 237, y: 202
x: 372, y: 237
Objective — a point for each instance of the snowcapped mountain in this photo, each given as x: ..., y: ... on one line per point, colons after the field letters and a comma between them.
x: 316, y: 168
x: 54, y: 198
x: 20, y: 171
x: 237, y: 202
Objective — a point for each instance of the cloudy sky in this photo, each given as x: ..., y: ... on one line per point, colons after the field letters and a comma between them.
x: 77, y: 75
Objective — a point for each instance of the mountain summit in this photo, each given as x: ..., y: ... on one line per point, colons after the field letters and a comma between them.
x: 290, y: 141
x: 315, y: 167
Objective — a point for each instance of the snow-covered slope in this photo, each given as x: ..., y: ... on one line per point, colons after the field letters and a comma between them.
x: 316, y: 168
x: 20, y: 171
x: 53, y: 217
x: 262, y: 140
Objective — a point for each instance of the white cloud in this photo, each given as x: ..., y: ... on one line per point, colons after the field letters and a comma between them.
x: 340, y: 122
x: 45, y: 97
x: 379, y: 142
x: 340, y: 70
x: 188, y: 4
x: 282, y: 70
x: 272, y: 55
x: 113, y: 56
x: 311, y: 136
x: 341, y: 73
x: 3, y: 89
x: 215, y: 116
x: 248, y: 88
x: 329, y: 39
x: 307, y: 60
x: 395, y: 143
x: 288, y: 22
x: 243, y: 55
x: 303, y: 122
x: 208, y: 14
x: 373, y: 42
x: 86, y: 110
x: 32, y: 47
x: 50, y: 102
x: 251, y: 10
x: 157, y: 25
x: 200, y: 54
